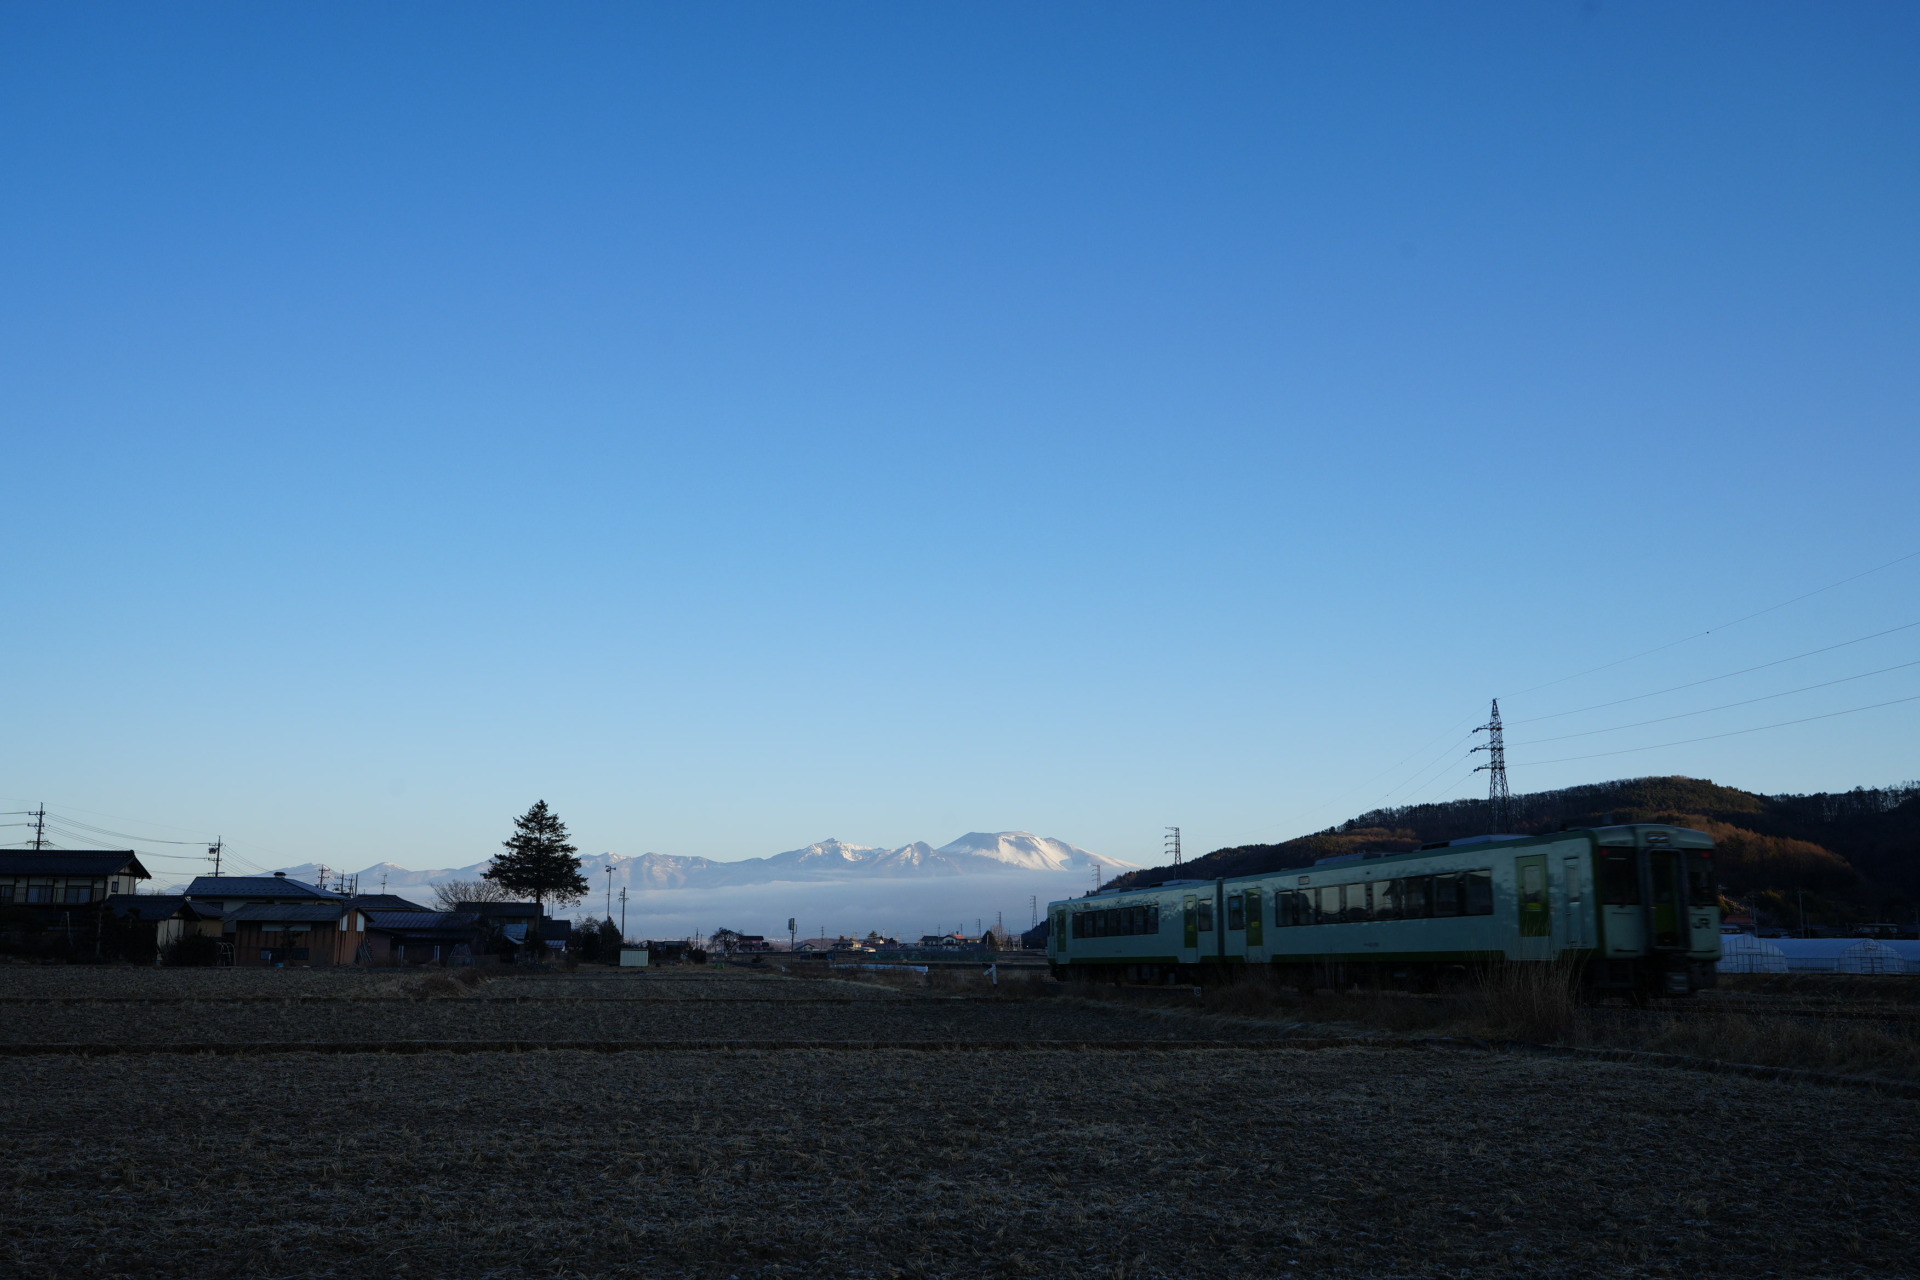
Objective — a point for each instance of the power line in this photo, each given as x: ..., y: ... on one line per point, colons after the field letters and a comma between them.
x: 1768, y: 697
x: 1723, y: 626
x: 1727, y: 676
x: 1732, y: 734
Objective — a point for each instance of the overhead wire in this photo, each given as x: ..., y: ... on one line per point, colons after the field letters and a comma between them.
x: 1691, y: 684
x: 1730, y: 734
x: 1660, y: 648
x: 1744, y: 702
x: 1427, y: 789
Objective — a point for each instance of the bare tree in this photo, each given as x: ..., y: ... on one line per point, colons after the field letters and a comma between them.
x: 449, y: 894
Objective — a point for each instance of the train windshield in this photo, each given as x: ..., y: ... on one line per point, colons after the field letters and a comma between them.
x: 1701, y: 889
x: 1619, y: 878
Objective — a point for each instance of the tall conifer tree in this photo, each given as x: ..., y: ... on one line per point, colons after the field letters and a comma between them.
x: 539, y: 862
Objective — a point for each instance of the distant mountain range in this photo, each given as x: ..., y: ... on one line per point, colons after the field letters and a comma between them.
x: 976, y: 853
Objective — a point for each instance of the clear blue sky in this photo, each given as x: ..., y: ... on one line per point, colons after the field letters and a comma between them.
x: 746, y: 424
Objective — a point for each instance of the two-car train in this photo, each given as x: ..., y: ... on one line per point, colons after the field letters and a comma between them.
x: 1636, y: 907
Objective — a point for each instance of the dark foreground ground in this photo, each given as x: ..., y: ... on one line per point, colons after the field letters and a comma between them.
x: 1256, y: 1162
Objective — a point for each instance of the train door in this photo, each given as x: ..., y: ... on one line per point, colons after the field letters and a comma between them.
x: 1536, y: 916
x: 1189, y: 929
x: 1256, y: 929
x: 1057, y: 935
x: 1574, y: 936
x: 1233, y: 942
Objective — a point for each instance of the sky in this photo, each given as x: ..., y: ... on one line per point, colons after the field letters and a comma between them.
x: 741, y: 425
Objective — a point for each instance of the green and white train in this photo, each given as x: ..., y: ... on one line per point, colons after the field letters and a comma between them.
x: 1636, y: 905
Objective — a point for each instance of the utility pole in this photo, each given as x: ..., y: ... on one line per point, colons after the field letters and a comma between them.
x: 213, y: 851
x: 39, y: 817
x: 1499, y: 799
x: 793, y: 936
x: 623, y: 913
x: 1172, y: 844
x: 610, y: 891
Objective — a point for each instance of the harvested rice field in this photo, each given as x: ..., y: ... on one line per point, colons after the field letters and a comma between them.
x: 1262, y: 1161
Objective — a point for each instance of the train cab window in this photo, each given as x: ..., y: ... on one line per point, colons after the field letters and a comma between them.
x: 1479, y: 893
x: 1236, y: 911
x: 1206, y: 917
x: 1701, y: 890
x: 1619, y: 880
x: 1386, y: 899
x: 1416, y: 897
x: 1446, y: 895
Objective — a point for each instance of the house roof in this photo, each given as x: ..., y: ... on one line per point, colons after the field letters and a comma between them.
x: 387, y: 902
x: 257, y: 887
x: 510, y: 910
x: 422, y: 921
x: 145, y: 906
x: 289, y: 912
x: 71, y: 862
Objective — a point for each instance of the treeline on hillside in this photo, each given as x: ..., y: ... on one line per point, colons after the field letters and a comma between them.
x: 1856, y: 852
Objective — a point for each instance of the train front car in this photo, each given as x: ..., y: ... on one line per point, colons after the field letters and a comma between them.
x: 1635, y: 907
x: 1659, y: 910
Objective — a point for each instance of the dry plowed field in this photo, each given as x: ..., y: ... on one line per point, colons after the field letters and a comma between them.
x: 1257, y: 1161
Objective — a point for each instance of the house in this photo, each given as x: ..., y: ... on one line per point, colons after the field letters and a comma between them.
x: 61, y: 879
x: 423, y: 937
x: 54, y: 899
x: 305, y: 933
x: 225, y: 893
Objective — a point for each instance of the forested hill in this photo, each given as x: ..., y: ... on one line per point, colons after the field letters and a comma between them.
x: 1857, y: 853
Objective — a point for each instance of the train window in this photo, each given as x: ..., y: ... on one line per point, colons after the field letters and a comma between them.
x: 1236, y: 912
x: 1416, y: 897
x: 1479, y: 895
x: 1292, y: 907
x: 1386, y: 900
x: 1119, y: 922
x: 1446, y: 895
x: 1701, y: 890
x: 1206, y: 917
x: 1619, y: 880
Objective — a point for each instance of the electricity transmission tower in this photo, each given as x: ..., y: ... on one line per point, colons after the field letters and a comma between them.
x: 1499, y: 799
x: 1172, y: 844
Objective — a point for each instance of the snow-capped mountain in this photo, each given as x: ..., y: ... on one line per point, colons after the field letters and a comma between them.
x: 976, y: 853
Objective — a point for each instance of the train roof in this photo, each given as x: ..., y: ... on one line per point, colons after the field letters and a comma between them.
x: 1622, y: 834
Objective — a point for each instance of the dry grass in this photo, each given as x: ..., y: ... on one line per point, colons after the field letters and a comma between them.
x: 1190, y: 1164
x: 1839, y: 1046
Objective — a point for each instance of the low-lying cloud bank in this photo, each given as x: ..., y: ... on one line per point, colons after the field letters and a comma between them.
x: 897, y: 908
